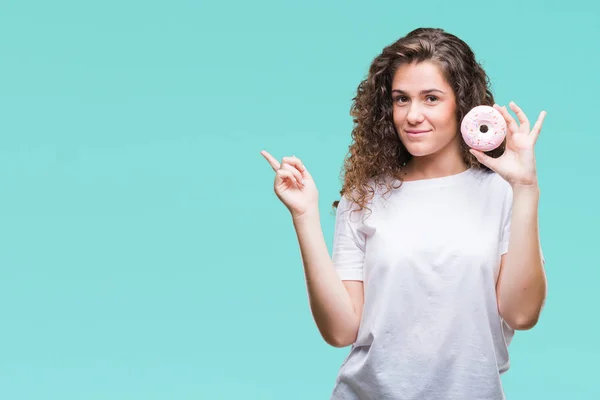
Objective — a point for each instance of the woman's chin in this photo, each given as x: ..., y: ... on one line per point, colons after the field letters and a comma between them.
x: 419, y: 149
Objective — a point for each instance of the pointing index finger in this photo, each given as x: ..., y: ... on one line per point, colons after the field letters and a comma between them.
x: 274, y: 163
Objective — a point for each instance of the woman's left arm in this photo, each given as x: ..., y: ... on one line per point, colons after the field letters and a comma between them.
x: 521, y: 287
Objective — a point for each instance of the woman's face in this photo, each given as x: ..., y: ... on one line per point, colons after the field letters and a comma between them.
x: 424, y: 110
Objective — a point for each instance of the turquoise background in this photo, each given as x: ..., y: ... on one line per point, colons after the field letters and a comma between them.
x: 143, y: 253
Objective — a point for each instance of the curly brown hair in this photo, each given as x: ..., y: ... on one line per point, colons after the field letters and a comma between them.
x: 376, y: 152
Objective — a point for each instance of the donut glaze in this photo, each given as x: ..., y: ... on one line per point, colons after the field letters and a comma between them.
x: 483, y: 128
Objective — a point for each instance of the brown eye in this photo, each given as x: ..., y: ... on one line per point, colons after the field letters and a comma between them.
x: 432, y: 98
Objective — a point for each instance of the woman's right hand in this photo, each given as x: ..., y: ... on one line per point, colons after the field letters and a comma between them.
x: 294, y: 186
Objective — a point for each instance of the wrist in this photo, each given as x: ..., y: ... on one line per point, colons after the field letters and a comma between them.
x: 526, y: 194
x: 526, y: 189
x: 306, y: 216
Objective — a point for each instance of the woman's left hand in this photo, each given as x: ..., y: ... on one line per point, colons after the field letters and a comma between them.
x: 517, y: 164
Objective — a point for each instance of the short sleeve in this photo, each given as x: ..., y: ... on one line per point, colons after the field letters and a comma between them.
x: 348, y: 242
x: 506, y: 224
x: 506, y: 220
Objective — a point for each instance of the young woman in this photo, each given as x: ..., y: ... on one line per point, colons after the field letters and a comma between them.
x: 436, y: 257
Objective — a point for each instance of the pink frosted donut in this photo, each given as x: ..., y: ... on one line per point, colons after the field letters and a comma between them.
x: 483, y: 128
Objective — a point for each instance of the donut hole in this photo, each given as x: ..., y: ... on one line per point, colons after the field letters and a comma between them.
x: 483, y: 128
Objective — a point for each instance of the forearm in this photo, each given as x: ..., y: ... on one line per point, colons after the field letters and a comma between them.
x: 522, y: 283
x: 330, y: 302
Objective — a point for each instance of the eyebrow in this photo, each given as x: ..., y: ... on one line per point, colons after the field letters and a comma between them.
x: 422, y: 91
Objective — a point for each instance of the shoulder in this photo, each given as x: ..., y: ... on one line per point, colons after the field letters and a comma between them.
x: 492, y: 182
x: 348, y: 204
x: 494, y: 191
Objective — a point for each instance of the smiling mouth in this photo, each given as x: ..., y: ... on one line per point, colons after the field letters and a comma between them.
x: 415, y: 132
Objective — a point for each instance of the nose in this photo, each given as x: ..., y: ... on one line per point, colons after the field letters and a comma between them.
x: 414, y: 116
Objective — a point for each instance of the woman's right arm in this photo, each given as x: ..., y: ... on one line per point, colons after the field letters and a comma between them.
x: 336, y: 305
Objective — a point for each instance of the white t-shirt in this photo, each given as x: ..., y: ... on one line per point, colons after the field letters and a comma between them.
x: 429, y: 256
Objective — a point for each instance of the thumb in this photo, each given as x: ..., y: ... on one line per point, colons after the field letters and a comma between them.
x: 486, y: 160
x: 304, y: 171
